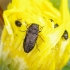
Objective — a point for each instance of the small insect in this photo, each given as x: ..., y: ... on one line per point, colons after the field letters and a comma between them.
x: 56, y: 25
x: 65, y: 35
x: 31, y: 37
x: 18, y: 23
x: 51, y: 20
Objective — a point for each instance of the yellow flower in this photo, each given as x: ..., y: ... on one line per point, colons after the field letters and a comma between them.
x: 51, y: 50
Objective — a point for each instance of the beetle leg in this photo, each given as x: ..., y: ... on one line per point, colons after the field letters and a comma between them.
x: 37, y: 46
x: 41, y: 38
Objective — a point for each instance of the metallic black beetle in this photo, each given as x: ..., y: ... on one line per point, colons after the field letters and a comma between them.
x: 31, y: 37
x: 65, y: 35
x: 18, y: 23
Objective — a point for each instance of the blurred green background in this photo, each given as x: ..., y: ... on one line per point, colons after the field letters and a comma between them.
x: 56, y: 3
x: 4, y: 3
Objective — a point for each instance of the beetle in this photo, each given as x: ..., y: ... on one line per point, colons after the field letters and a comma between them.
x: 18, y: 23
x: 65, y: 35
x: 51, y: 20
x: 31, y: 37
x: 56, y: 25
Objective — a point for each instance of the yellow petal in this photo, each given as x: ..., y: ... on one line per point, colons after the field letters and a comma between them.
x: 64, y: 10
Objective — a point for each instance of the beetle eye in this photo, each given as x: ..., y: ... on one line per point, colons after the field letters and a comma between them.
x: 18, y: 23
